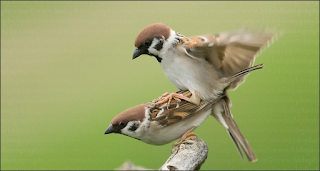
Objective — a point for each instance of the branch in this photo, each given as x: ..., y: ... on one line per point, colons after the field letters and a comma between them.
x: 189, y: 155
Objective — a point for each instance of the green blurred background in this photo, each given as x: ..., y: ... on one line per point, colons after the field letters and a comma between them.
x: 66, y: 71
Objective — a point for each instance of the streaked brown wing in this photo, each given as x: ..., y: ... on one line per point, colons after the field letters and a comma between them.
x: 177, y: 113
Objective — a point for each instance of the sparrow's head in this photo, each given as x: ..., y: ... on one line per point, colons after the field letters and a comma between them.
x: 128, y: 121
x: 152, y: 40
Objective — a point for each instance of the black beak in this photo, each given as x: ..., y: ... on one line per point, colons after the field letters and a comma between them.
x: 109, y: 130
x: 137, y: 52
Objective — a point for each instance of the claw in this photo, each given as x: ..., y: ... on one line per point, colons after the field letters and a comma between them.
x: 162, y: 96
x: 191, y: 136
x: 168, y: 97
x: 186, y: 136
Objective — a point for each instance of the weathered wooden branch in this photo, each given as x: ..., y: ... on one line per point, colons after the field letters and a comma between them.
x: 189, y: 155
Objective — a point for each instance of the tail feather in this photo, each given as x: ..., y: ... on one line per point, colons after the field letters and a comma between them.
x: 236, y: 143
x: 221, y: 111
x: 236, y: 135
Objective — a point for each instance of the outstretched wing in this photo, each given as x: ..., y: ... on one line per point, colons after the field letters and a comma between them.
x: 228, y: 52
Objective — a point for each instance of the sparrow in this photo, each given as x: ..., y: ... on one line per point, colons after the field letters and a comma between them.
x: 159, y: 124
x: 201, y: 64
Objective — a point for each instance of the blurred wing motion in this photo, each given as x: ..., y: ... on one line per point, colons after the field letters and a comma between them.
x: 228, y: 52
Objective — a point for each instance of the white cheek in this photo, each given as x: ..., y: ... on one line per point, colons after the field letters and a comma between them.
x: 167, y: 45
x: 126, y: 131
x: 138, y: 133
x: 152, y: 50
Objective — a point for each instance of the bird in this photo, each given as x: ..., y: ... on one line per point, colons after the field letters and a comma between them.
x: 159, y: 124
x: 202, y: 65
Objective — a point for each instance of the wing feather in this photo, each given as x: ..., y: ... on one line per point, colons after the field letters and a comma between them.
x: 167, y: 116
x: 228, y: 52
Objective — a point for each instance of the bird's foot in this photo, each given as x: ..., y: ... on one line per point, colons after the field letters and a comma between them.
x: 166, y: 97
x: 186, y: 136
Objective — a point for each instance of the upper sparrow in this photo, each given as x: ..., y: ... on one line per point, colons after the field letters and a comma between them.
x: 201, y: 64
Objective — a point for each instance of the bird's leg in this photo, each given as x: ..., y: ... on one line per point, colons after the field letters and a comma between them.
x: 167, y: 98
x: 191, y: 136
x: 160, y: 100
x: 162, y: 96
x: 186, y: 136
x: 195, y: 98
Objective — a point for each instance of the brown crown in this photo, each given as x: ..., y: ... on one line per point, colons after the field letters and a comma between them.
x: 135, y: 113
x: 151, y: 31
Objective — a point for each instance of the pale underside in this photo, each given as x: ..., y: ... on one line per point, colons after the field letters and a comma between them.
x: 200, y: 64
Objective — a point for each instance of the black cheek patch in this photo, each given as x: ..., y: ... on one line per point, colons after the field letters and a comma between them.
x: 134, y: 127
x: 160, y: 44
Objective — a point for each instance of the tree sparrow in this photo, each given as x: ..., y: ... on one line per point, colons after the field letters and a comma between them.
x: 159, y: 124
x: 201, y: 64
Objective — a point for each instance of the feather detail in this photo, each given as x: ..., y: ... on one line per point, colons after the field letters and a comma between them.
x: 167, y: 116
x: 235, y: 134
x: 228, y: 52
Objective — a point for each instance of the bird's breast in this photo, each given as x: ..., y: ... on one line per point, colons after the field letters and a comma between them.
x: 159, y: 135
x: 186, y: 73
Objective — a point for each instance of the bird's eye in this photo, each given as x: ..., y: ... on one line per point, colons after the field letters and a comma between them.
x: 122, y: 124
x: 147, y: 43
